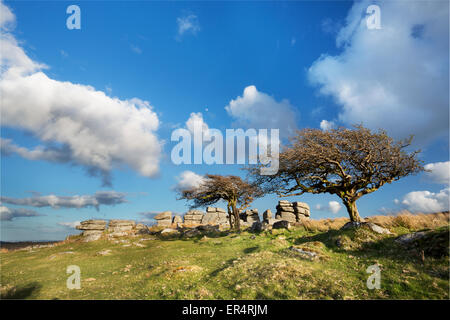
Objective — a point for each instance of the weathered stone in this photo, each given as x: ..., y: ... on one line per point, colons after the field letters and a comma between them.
x: 166, y: 215
x: 211, y: 209
x: 169, y: 231
x: 410, y: 237
x: 164, y: 223
x: 197, y: 217
x: 259, y: 226
x: 92, y: 235
x: 267, y: 215
x: 299, y: 204
x: 120, y: 223
x: 370, y: 225
x: 92, y: 225
x: 208, y: 228
x: 177, y: 219
x: 191, y: 233
x: 221, y: 210
x: 283, y: 224
x: 121, y: 229
x: 288, y: 216
x: 377, y: 229
x: 302, y: 211
x: 285, y: 209
x: 210, y: 218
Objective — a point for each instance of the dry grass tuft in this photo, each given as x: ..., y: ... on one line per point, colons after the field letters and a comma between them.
x: 404, y: 219
x: 412, y: 221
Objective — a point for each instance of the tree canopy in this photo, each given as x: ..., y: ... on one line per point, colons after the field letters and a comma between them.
x: 236, y: 192
x: 347, y: 162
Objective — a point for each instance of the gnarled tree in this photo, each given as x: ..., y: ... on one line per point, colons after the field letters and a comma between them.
x: 232, y: 189
x: 347, y: 162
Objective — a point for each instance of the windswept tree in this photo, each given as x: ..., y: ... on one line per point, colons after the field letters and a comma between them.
x: 232, y: 189
x: 349, y: 163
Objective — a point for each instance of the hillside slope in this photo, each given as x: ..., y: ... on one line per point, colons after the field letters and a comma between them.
x: 276, y: 264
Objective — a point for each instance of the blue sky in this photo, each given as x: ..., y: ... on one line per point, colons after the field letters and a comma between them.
x: 310, y: 64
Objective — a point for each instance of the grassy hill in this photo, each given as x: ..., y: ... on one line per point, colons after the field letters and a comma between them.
x: 242, y: 266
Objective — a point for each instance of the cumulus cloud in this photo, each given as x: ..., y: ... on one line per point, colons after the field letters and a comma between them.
x: 258, y: 110
x: 188, y: 179
x: 196, y: 122
x: 426, y: 201
x: 107, y: 198
x: 439, y: 172
x: 75, y: 123
x: 326, y: 125
x: 395, y: 77
x: 188, y: 24
x: 333, y: 207
x: 8, y: 214
x: 70, y: 224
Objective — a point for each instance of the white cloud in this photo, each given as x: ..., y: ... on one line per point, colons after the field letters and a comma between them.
x: 326, y: 125
x: 440, y: 172
x: 75, y: 123
x: 8, y: 214
x: 188, y: 179
x: 7, y: 18
x: 333, y: 207
x: 395, y: 77
x: 196, y: 122
x: 426, y: 201
x: 109, y: 198
x: 188, y: 24
x: 71, y: 224
x: 258, y: 110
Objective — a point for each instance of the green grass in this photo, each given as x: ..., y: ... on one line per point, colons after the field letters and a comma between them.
x: 232, y: 266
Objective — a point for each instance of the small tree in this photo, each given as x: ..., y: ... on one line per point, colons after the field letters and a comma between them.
x: 236, y: 192
x: 347, y: 162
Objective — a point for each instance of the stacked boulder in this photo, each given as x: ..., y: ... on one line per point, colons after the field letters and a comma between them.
x: 141, y: 229
x: 92, y: 229
x: 250, y: 216
x: 292, y: 212
x: 214, y: 216
x: 121, y: 228
x: 164, y: 219
x: 177, y: 221
x: 193, y: 218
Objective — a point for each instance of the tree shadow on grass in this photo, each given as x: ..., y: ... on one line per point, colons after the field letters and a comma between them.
x: 22, y: 292
x: 251, y: 250
x: 228, y: 263
x: 370, y: 245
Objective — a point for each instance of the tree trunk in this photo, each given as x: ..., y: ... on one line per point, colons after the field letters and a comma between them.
x: 230, y: 216
x: 352, y: 211
x: 237, y: 223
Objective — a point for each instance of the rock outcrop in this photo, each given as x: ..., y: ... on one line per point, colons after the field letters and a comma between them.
x: 196, y: 220
x: 250, y: 216
x: 164, y: 219
x: 121, y: 228
x: 92, y: 229
x: 292, y: 212
x: 215, y: 216
x: 193, y: 218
